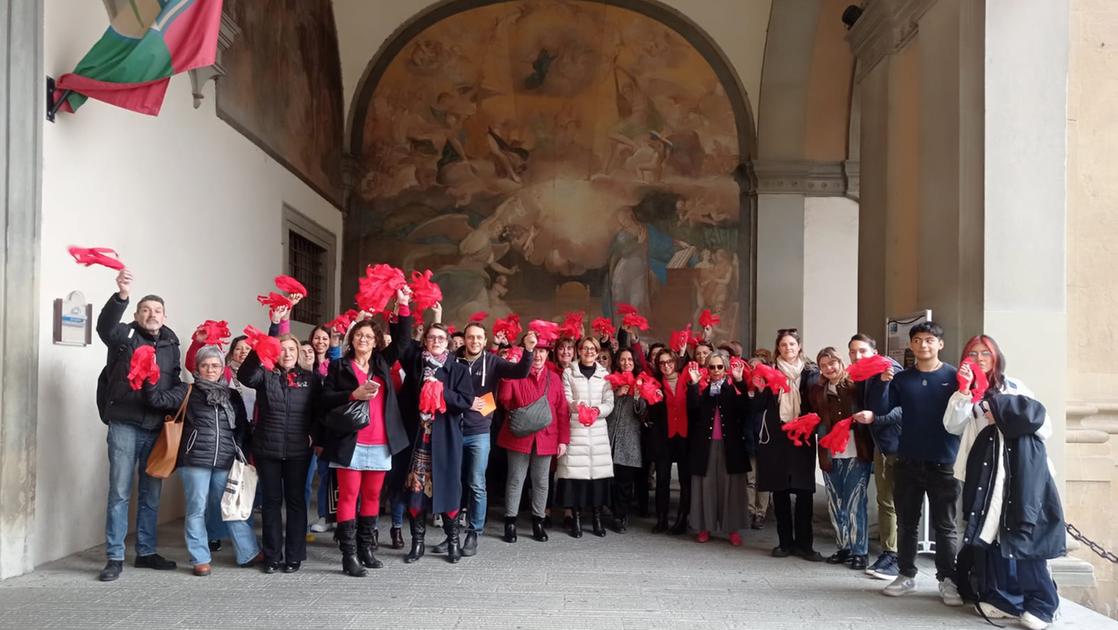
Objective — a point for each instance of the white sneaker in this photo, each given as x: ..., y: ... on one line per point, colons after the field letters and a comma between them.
x: 321, y: 526
x: 950, y: 593
x: 900, y: 586
x: 1032, y: 622
x: 993, y: 612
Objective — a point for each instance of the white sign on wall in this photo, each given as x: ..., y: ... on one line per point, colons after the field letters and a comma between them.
x: 73, y: 320
x: 896, y: 335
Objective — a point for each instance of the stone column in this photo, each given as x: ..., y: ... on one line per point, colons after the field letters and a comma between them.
x: 22, y: 107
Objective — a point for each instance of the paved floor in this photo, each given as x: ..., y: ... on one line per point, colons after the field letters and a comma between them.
x: 622, y: 582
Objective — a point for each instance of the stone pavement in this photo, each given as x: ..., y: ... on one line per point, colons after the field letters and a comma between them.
x: 622, y: 582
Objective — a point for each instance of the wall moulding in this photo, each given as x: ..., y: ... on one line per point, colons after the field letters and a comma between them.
x: 884, y: 27
x: 805, y: 177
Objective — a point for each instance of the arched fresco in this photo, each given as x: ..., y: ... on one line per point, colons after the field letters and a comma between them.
x: 544, y: 157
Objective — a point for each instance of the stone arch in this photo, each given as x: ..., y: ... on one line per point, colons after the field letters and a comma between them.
x: 743, y: 146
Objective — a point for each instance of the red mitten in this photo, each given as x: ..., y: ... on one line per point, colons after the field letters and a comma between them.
x: 774, y: 379
x: 290, y: 285
x: 980, y: 383
x: 633, y: 319
x: 622, y: 379
x: 680, y: 339
x: 546, y: 332
x: 425, y: 293
x: 868, y: 367
x: 572, y: 325
x: 510, y: 326
x: 273, y: 301
x: 216, y: 332
x: 839, y: 436
x: 479, y: 316
x: 649, y: 389
x: 587, y: 415
x: 709, y: 319
x: 603, y: 326
x: 267, y: 348
x: 431, y: 400
x: 89, y: 256
x: 340, y: 324
x: 626, y: 309
x: 143, y: 367
x: 378, y: 286
x: 514, y: 354
x: 801, y: 428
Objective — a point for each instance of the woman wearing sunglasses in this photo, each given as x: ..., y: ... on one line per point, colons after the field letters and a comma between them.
x: 719, y: 444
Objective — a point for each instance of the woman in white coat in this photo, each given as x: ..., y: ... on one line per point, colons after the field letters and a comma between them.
x: 584, y: 473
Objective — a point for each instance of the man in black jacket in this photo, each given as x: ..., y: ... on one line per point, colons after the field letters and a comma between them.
x: 133, y: 424
x: 486, y: 369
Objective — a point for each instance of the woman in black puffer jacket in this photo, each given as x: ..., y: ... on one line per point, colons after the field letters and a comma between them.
x: 213, y: 430
x: 286, y: 402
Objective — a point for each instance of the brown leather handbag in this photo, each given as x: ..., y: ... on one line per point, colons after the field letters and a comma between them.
x: 165, y: 451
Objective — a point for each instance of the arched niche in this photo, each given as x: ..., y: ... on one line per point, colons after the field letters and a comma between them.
x: 548, y: 157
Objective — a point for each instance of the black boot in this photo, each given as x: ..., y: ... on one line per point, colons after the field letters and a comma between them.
x: 538, y: 531
x: 661, y: 523
x: 620, y: 524
x: 366, y: 541
x: 418, y: 533
x: 510, y: 529
x: 397, y: 534
x: 596, y: 523
x: 680, y: 526
x: 469, y: 546
x: 346, y: 535
x: 576, y: 524
x: 454, y: 546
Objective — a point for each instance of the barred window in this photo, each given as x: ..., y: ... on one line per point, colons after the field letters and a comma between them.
x: 309, y: 257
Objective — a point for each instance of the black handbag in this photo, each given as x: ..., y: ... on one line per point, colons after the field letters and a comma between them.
x: 534, y: 417
x: 346, y: 418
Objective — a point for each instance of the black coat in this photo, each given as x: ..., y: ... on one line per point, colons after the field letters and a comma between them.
x: 286, y: 405
x: 210, y: 438
x: 737, y: 435
x: 341, y: 380
x: 446, y: 432
x: 1032, y: 519
x: 116, y: 400
x: 781, y: 465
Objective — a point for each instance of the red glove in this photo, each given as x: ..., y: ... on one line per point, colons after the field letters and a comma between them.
x: 143, y: 367
x: 290, y: 285
x: 431, y: 399
x: 800, y: 429
x: 89, y: 256
x: 587, y: 415
x: 838, y: 438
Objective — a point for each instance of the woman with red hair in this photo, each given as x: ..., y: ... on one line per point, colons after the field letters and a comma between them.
x: 962, y: 417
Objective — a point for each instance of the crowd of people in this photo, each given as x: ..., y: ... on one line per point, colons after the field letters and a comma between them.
x: 400, y: 418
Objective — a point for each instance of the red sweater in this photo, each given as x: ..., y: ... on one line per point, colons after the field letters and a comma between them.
x: 521, y: 392
x: 676, y: 402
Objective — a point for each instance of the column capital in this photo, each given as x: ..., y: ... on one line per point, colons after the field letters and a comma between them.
x: 807, y: 177
x: 884, y: 27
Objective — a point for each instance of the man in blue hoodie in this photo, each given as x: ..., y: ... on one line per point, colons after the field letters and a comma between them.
x: 886, y: 439
x: 917, y: 399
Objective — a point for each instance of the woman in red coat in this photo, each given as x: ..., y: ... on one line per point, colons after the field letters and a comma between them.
x: 532, y: 453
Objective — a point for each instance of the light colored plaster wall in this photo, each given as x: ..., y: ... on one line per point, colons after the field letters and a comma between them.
x: 194, y: 209
x: 738, y: 27
x: 1092, y: 198
x: 830, y: 272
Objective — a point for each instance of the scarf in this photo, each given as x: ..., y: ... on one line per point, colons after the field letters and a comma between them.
x: 217, y: 394
x: 431, y: 364
x: 790, y: 401
x: 716, y: 387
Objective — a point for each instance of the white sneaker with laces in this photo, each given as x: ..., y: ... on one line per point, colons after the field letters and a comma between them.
x: 993, y: 612
x: 950, y: 593
x: 900, y: 586
x: 321, y: 526
x: 1032, y: 622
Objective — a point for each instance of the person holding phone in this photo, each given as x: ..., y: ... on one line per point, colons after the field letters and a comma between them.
x: 362, y: 457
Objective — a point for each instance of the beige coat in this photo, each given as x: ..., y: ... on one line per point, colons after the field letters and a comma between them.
x: 588, y: 454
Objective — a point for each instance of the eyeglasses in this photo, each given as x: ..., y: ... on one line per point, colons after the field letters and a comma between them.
x: 986, y: 354
x: 364, y: 337
x: 436, y: 338
x: 667, y: 362
x: 716, y: 367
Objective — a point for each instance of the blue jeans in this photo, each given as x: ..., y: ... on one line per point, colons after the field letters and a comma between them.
x: 322, y: 468
x: 201, y: 485
x: 398, y: 514
x: 847, y: 487
x: 129, y: 448
x: 215, y: 527
x: 475, y: 459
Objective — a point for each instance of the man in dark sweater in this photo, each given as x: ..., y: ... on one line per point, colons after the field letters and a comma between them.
x: 487, y: 369
x: 917, y: 399
x: 133, y: 424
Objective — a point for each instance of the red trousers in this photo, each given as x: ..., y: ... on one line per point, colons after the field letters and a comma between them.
x: 351, y: 483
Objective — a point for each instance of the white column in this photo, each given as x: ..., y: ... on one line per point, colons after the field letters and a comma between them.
x: 780, y: 264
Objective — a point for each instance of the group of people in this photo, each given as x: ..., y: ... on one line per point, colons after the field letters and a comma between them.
x: 410, y: 412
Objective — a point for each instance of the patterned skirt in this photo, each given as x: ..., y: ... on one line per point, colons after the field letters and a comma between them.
x: 418, y: 488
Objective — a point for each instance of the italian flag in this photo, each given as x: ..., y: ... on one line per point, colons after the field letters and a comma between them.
x: 146, y: 43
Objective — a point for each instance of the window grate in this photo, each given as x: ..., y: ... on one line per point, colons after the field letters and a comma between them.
x: 307, y: 264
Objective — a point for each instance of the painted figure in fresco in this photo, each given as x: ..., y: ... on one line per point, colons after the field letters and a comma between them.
x: 639, y: 255
x: 638, y: 119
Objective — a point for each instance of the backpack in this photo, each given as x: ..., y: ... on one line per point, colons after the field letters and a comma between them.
x: 111, y: 366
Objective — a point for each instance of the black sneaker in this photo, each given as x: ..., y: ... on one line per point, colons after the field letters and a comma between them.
x: 215, y: 545
x: 839, y: 557
x: 858, y: 563
x: 269, y: 568
x: 111, y: 571
x: 154, y: 561
x: 292, y: 567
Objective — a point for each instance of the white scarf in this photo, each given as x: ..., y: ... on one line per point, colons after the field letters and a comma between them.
x: 790, y: 401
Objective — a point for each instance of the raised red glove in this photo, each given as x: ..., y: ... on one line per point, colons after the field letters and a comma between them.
x: 633, y: 319
x: 377, y: 287
x: 425, y: 293
x: 216, y: 332
x: 510, y: 326
x: 603, y: 326
x: 290, y: 285
x: 267, y: 348
x: 709, y: 319
x: 868, y: 367
x: 546, y: 332
x: 89, y: 256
